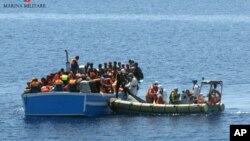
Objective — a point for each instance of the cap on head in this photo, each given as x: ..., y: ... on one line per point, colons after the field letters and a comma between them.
x: 155, y: 84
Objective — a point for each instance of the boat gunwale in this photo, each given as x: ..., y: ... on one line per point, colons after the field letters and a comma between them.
x: 64, y: 94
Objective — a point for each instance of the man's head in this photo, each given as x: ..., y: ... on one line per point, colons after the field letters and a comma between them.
x: 155, y: 84
x: 123, y: 71
x: 194, y: 82
x: 176, y: 89
x: 100, y: 66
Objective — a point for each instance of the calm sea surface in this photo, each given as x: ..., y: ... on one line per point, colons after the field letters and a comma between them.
x: 173, y: 41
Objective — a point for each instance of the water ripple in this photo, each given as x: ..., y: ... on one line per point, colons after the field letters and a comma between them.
x: 127, y: 17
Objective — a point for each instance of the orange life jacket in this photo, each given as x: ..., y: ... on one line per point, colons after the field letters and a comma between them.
x: 151, y: 94
x: 58, y: 82
x: 159, y: 100
x: 72, y: 81
x: 72, y: 87
x: 200, y: 99
x: 45, y: 89
x: 214, y: 97
x: 107, y: 82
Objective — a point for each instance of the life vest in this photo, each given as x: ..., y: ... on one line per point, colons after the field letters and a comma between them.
x: 159, y: 100
x: 35, y: 87
x: 72, y: 81
x: 151, y: 94
x: 45, y: 89
x: 173, y: 97
x: 214, y: 97
x: 58, y: 82
x: 58, y: 85
x: 64, y: 77
x: 200, y: 99
x: 72, y: 85
x: 107, y: 82
x: 107, y: 85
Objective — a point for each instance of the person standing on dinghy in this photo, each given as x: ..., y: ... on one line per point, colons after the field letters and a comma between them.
x: 120, y: 82
x: 132, y: 86
x: 196, y: 88
x: 138, y: 72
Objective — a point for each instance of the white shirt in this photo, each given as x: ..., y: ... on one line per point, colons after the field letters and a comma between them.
x: 196, y: 90
x: 132, y: 86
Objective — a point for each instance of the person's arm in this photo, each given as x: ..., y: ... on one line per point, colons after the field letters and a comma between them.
x: 151, y: 92
x: 141, y: 73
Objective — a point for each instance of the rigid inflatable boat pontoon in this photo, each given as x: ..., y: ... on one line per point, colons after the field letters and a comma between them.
x: 134, y: 106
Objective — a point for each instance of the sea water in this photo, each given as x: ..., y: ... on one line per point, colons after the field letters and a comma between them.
x: 174, y: 42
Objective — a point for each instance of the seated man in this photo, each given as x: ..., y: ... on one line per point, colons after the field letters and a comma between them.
x: 58, y: 85
x: 187, y: 97
x: 174, y: 97
x: 152, y: 91
x: 72, y: 86
x: 35, y: 86
x: 160, y: 96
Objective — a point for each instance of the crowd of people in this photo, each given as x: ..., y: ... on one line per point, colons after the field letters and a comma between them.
x: 110, y: 77
x: 113, y: 77
x: 155, y: 94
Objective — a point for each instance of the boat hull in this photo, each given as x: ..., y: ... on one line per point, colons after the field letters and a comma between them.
x: 122, y: 106
x: 66, y: 104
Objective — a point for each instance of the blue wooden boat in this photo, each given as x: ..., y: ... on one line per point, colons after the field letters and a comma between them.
x: 83, y: 103
x: 66, y: 104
